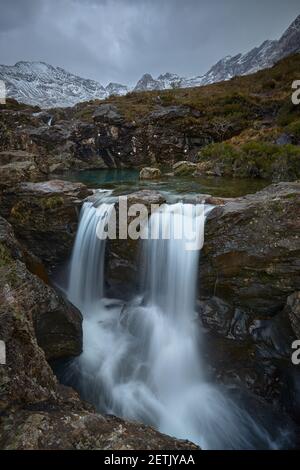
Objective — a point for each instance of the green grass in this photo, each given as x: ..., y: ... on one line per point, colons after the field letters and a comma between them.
x: 262, y: 159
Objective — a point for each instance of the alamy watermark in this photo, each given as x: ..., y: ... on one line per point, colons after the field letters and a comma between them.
x: 296, y: 354
x: 156, y: 222
x: 2, y: 353
x: 2, y: 92
x: 296, y: 93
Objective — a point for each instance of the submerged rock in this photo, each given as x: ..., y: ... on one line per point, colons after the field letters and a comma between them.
x: 150, y: 173
x: 184, y: 168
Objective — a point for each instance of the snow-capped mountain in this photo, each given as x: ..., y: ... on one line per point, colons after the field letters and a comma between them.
x: 41, y: 84
x: 264, y: 56
x: 163, y: 82
x: 116, y: 89
x: 38, y: 83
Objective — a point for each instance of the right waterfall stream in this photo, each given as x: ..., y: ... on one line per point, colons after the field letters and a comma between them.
x: 143, y: 361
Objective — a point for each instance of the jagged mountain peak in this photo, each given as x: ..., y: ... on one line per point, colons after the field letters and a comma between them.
x: 294, y: 27
x: 116, y: 89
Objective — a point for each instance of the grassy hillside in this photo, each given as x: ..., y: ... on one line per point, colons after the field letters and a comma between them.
x: 247, y: 126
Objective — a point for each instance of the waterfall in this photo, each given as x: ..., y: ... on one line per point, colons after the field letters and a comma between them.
x: 87, y: 263
x: 143, y: 361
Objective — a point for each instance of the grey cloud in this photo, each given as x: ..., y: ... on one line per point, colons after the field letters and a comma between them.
x: 119, y: 40
x: 17, y: 13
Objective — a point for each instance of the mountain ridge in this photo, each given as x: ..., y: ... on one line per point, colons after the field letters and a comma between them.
x: 38, y: 83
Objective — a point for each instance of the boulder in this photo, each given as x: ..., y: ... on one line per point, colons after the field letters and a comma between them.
x: 107, y: 112
x: 184, y: 168
x: 252, y: 249
x: 166, y: 113
x: 17, y: 166
x: 149, y: 173
x: 45, y: 216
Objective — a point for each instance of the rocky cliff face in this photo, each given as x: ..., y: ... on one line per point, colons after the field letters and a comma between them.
x: 45, y: 216
x: 244, y: 128
x: 252, y: 249
x: 249, y: 279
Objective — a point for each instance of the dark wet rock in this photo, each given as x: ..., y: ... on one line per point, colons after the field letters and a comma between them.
x: 255, y: 367
x: 149, y: 173
x: 26, y: 376
x: 216, y: 315
x: 251, y: 252
x: 292, y: 309
x: 93, y: 136
x: 224, y: 319
x: 57, y: 323
x: 252, y: 353
x: 273, y: 337
x: 45, y: 216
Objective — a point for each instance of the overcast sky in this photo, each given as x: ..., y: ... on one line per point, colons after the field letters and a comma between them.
x: 119, y: 40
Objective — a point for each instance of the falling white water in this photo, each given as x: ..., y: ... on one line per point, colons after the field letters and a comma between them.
x: 143, y: 360
x: 87, y: 264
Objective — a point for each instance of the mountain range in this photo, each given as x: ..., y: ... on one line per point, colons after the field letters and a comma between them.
x: 38, y: 83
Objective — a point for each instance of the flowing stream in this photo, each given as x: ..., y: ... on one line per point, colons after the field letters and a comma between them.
x: 143, y: 360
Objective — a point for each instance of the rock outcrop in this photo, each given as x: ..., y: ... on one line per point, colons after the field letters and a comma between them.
x: 70, y: 426
x: 45, y: 216
x: 32, y: 316
x: 249, y: 281
x: 251, y: 252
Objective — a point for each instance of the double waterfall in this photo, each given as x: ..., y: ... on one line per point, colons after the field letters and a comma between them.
x: 144, y: 360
